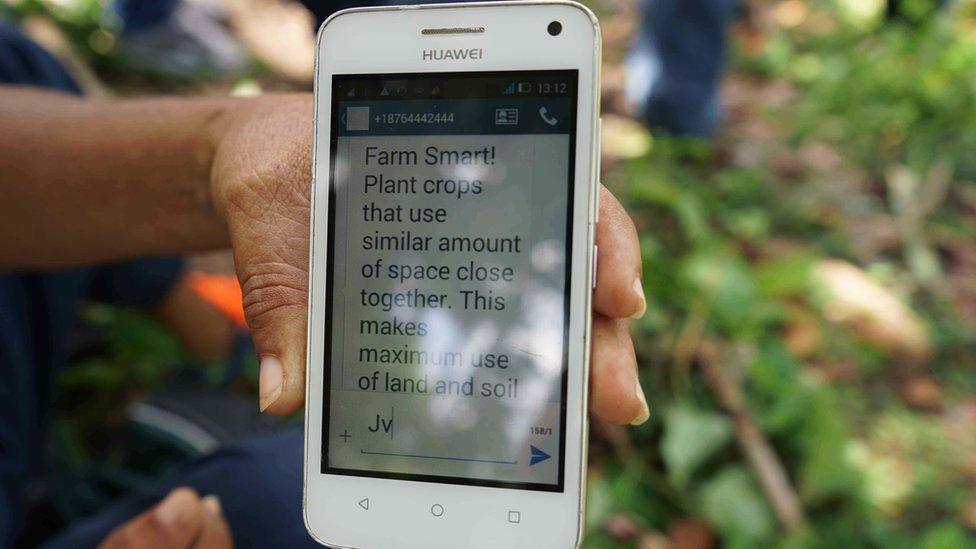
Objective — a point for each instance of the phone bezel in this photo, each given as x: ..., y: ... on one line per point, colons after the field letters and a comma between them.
x: 330, y: 502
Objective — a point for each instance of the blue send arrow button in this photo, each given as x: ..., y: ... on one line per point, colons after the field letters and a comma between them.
x: 537, y: 455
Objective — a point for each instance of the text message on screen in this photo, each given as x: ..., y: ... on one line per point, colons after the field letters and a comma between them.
x: 449, y: 232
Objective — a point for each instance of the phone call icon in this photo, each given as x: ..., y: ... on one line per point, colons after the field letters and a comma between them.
x: 546, y: 117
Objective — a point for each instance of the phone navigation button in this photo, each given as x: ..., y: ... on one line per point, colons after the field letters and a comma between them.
x: 437, y: 509
x: 364, y: 503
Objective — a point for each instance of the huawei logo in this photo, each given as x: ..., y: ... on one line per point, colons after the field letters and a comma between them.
x: 459, y: 54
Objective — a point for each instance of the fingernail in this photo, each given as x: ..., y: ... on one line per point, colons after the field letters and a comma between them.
x: 170, y: 510
x: 639, y: 290
x: 645, y: 412
x: 212, y: 504
x: 270, y: 381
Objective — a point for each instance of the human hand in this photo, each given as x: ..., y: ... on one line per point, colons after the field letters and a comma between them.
x: 182, y: 520
x: 261, y: 183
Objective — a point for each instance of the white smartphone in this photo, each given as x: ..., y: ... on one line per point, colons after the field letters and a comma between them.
x: 452, y: 264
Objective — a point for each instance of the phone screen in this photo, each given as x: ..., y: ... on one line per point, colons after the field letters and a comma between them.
x: 448, y: 277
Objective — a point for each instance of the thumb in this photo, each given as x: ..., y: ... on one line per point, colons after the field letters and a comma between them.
x: 271, y: 255
x: 275, y: 294
x: 262, y: 184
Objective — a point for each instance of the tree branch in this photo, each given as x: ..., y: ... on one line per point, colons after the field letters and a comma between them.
x: 758, y: 451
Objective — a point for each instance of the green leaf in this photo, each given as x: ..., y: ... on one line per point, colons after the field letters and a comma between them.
x: 691, y: 436
x: 946, y: 535
x: 727, y: 284
x: 824, y: 470
x: 732, y: 502
x: 785, y: 276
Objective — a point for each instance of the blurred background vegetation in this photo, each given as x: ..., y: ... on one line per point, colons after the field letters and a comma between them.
x: 809, y: 351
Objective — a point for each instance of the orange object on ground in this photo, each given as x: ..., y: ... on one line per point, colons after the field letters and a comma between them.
x: 221, y: 291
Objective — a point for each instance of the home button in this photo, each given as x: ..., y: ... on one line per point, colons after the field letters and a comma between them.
x: 437, y: 509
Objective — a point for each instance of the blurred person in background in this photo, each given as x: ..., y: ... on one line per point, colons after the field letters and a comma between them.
x: 87, y: 186
x: 177, y: 38
x: 674, y: 67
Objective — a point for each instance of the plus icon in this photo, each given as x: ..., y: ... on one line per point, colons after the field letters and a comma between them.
x: 345, y: 435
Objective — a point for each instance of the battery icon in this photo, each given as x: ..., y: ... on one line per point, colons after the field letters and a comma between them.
x: 524, y: 87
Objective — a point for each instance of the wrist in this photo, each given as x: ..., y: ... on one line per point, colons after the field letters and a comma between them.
x: 261, y: 142
x: 224, y: 116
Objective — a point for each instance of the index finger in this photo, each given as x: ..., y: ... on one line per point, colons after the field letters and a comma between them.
x: 619, y: 292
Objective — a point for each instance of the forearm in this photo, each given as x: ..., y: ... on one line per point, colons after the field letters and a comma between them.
x: 82, y: 182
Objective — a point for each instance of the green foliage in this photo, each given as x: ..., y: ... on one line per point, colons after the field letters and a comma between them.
x: 946, y: 535
x: 730, y: 241
x: 91, y: 26
x: 733, y: 503
x: 691, y: 436
x: 139, y: 355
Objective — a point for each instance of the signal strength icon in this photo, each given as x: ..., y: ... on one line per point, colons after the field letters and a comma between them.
x: 509, y: 89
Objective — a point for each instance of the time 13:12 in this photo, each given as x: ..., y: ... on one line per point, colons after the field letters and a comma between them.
x: 553, y: 88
